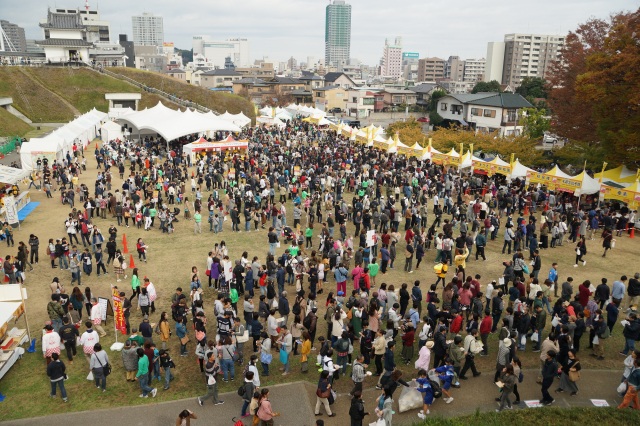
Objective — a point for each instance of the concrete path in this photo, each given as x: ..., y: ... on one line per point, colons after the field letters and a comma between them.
x: 296, y: 402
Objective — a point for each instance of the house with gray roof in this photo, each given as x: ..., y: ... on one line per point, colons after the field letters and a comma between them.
x: 484, y: 112
x: 64, y: 38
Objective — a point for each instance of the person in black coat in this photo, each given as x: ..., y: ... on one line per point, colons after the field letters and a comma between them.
x: 356, y: 411
x: 56, y: 372
x: 440, y: 347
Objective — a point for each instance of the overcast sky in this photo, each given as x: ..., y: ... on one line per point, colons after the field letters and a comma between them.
x: 280, y: 29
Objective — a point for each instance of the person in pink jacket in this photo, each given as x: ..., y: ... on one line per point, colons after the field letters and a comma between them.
x: 356, y: 273
x: 424, y: 356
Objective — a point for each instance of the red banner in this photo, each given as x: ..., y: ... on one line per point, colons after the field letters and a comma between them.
x: 118, y: 313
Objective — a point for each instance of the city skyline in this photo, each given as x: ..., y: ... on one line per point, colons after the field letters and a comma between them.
x: 280, y: 30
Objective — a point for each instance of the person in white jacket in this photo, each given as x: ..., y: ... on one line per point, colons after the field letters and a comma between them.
x: 96, y: 317
x: 50, y: 343
x: 88, y: 340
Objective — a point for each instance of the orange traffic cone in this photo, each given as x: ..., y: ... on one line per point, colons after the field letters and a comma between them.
x: 633, y: 232
x: 96, y: 145
x: 124, y: 240
x: 125, y: 249
x: 131, y: 264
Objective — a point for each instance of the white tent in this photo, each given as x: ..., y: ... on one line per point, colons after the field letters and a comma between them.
x: 48, y: 147
x: 518, y: 170
x: 171, y: 124
x: 12, y: 175
x: 111, y: 131
x: 270, y: 121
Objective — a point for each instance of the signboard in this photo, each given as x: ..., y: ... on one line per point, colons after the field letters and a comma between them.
x: 554, y: 182
x: 297, y: 171
x: 490, y: 169
x: 372, y: 238
x: 118, y: 312
x: 10, y: 209
x: 599, y: 402
x: 632, y: 198
x: 167, y: 44
x: 410, y: 55
x: 380, y: 145
x: 105, y: 306
x: 406, y: 150
x: 439, y: 158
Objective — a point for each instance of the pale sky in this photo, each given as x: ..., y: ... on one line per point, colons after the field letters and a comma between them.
x: 280, y: 29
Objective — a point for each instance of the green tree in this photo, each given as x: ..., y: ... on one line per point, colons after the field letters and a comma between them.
x: 532, y: 87
x: 535, y: 122
x: 433, y: 100
x: 484, y: 86
x: 435, y: 119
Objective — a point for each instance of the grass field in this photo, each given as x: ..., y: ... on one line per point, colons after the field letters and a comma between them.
x: 170, y: 260
x: 10, y: 125
x: 546, y: 417
x: 216, y: 101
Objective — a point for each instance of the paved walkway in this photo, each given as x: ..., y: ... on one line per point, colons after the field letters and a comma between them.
x: 296, y: 401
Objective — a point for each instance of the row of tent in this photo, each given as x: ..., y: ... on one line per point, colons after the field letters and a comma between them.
x: 57, y: 144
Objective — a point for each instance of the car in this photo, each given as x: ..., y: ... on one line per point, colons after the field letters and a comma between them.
x: 335, y: 110
x: 423, y: 119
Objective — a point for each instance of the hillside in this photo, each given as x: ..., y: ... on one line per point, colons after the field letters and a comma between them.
x: 216, y: 101
x: 68, y: 91
x: 10, y: 125
x: 40, y: 105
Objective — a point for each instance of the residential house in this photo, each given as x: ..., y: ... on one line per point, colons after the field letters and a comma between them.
x: 360, y: 103
x: 398, y: 97
x: 339, y: 79
x: 177, y: 73
x: 330, y: 97
x: 312, y: 81
x: 423, y: 93
x: 219, y: 78
x: 484, y: 112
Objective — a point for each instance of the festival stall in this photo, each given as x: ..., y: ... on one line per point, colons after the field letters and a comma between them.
x: 489, y: 168
x: 203, y: 145
x: 518, y: 170
x: 629, y: 195
x: 271, y: 121
x: 12, y: 307
x: 620, y: 176
x: 48, y: 147
x: 557, y: 180
x: 450, y: 158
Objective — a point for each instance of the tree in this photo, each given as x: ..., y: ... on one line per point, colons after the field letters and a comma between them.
x: 535, y: 122
x: 532, y: 87
x: 595, y: 87
x: 435, y: 119
x: 435, y: 96
x: 409, y: 131
x: 483, y: 86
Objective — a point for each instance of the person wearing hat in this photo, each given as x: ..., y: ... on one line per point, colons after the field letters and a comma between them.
x: 504, y: 349
x: 424, y: 356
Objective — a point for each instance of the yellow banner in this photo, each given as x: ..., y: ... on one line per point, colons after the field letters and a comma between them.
x: 380, y: 145
x: 632, y: 198
x: 490, y: 168
x: 554, y: 182
x: 444, y: 159
x: 405, y: 151
x: 118, y: 313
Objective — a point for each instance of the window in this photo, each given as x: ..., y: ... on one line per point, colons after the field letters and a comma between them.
x: 490, y: 113
x: 476, y: 111
x: 443, y: 107
x: 512, y: 115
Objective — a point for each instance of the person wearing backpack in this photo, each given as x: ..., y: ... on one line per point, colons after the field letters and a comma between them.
x: 424, y: 387
x: 246, y: 392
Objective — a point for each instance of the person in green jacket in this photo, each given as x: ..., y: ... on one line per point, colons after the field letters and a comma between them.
x: 373, y: 271
x: 308, y: 233
x: 135, y: 284
x: 142, y: 376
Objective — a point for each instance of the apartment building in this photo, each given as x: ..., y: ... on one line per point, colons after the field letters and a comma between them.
x: 431, y: 69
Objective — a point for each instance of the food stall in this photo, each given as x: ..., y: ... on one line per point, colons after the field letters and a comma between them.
x: 12, y: 307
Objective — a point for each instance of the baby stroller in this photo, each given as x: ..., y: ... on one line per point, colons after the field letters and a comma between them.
x: 174, y: 215
x: 288, y: 234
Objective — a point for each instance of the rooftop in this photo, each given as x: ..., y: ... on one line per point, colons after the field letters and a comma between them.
x: 63, y: 21
x: 502, y: 100
x: 71, y: 42
x: 223, y: 72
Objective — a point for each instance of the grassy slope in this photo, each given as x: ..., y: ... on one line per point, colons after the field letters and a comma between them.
x: 39, y: 105
x: 216, y: 101
x: 546, y: 417
x: 10, y: 125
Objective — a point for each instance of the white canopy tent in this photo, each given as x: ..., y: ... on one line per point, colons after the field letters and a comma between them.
x: 171, y: 124
x: 11, y: 175
x: 50, y: 147
x: 518, y: 170
x: 111, y: 131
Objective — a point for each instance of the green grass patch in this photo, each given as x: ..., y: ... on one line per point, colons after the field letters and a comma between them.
x: 10, y: 125
x: 543, y: 416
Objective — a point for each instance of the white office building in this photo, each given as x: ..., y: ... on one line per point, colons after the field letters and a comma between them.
x: 216, y: 51
x: 391, y: 63
x: 148, y: 30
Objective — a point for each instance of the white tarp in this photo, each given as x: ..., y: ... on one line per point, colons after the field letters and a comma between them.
x: 519, y: 170
x: 111, y: 131
x: 49, y: 147
x: 11, y: 175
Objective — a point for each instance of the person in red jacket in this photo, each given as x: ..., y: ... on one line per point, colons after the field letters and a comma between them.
x: 584, y: 292
x: 485, y: 330
x: 456, y: 323
x: 408, y: 339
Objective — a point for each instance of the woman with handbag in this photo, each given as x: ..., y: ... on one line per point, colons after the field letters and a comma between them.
x: 570, y: 374
x: 100, y: 366
x: 323, y: 393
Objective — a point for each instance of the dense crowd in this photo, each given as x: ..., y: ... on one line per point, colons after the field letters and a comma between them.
x: 323, y: 289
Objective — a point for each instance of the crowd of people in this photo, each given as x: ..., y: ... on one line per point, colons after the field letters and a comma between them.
x: 329, y: 298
